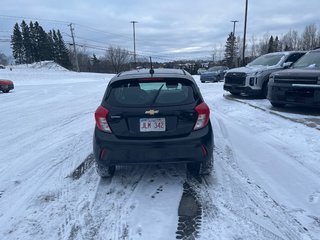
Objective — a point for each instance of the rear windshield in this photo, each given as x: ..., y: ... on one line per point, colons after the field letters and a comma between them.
x: 162, y: 92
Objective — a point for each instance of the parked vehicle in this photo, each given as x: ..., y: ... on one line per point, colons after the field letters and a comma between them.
x: 299, y: 85
x: 253, y: 78
x: 6, y: 85
x: 201, y: 70
x: 213, y: 74
x: 153, y: 117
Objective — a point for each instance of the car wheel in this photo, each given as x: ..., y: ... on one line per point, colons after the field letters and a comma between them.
x: 105, y: 171
x: 206, y: 167
x: 203, y: 81
x: 235, y: 93
x: 277, y: 104
x: 5, y: 91
x: 194, y: 168
x: 264, y: 90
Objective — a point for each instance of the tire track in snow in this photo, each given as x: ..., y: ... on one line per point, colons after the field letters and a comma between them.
x: 110, y: 198
x: 249, y: 192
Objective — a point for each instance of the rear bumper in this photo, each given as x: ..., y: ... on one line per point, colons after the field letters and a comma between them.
x: 209, y: 78
x: 300, y: 96
x: 6, y: 87
x: 241, y: 89
x: 196, y: 147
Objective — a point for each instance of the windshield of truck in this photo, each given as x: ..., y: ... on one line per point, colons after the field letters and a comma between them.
x: 309, y: 60
x: 266, y: 60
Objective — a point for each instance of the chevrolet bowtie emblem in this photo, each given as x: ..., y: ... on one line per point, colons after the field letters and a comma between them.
x: 152, y: 112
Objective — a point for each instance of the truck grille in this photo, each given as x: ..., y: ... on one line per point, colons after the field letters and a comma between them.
x: 235, y: 78
x: 295, y: 80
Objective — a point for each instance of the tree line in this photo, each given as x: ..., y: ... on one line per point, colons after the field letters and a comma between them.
x: 30, y: 43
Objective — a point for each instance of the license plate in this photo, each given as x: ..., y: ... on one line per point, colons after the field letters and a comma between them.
x: 152, y: 124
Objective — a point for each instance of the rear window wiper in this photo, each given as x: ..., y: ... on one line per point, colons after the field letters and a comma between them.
x: 157, y: 95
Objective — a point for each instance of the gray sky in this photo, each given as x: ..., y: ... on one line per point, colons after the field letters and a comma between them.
x: 168, y: 29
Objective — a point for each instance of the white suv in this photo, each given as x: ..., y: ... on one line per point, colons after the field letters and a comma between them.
x: 253, y: 78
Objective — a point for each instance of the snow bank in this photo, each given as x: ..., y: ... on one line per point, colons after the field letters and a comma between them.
x: 43, y: 65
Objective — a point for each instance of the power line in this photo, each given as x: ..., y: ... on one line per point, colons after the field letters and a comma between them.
x: 102, y: 31
x: 97, y: 47
x: 33, y: 19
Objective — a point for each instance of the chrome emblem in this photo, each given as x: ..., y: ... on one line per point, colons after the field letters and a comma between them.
x: 152, y: 112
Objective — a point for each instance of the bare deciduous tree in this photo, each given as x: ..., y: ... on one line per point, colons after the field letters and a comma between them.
x: 291, y: 41
x: 309, y: 37
x: 118, y: 57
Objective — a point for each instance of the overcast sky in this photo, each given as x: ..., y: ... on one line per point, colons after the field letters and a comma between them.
x: 168, y: 29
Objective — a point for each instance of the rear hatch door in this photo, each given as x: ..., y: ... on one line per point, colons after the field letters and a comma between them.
x: 152, y: 109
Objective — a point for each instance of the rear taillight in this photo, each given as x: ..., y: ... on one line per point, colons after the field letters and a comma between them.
x: 203, y: 116
x: 101, y: 115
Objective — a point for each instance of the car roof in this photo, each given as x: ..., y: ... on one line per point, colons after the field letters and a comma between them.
x: 315, y: 50
x: 158, y: 73
x: 285, y: 52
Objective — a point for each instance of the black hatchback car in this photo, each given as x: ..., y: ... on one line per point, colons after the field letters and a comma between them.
x: 153, y: 117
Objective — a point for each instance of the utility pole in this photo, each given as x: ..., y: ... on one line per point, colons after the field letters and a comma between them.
x: 234, y: 26
x: 134, y: 42
x: 244, y: 33
x: 74, y: 47
x: 233, y: 41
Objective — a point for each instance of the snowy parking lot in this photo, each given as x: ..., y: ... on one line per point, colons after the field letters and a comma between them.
x: 265, y: 184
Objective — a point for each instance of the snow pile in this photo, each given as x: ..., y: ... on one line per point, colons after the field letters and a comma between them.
x: 43, y: 65
x: 48, y: 65
x: 48, y: 73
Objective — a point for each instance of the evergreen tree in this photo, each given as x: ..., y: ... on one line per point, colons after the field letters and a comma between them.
x: 26, y: 41
x: 44, y: 44
x: 55, y: 49
x: 51, y: 46
x: 277, y: 44
x: 16, y: 44
x: 63, y: 53
x: 33, y: 41
x: 271, y: 45
x: 287, y: 48
x: 95, y: 63
x: 230, y: 50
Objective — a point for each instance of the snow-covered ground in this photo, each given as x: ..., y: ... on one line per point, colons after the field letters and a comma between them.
x: 266, y: 183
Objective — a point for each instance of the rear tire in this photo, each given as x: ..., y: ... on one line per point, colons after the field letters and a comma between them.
x: 194, y: 168
x: 5, y: 91
x: 204, y: 168
x: 264, y: 90
x: 203, y: 81
x: 105, y: 171
x: 277, y: 104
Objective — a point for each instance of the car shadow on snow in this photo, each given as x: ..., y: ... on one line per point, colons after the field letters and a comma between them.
x: 311, y: 111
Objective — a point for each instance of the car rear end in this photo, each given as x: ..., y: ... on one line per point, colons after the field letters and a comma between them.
x: 6, y: 85
x: 152, y: 119
x: 209, y: 77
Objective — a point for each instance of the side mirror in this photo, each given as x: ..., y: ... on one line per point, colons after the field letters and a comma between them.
x: 287, y: 65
